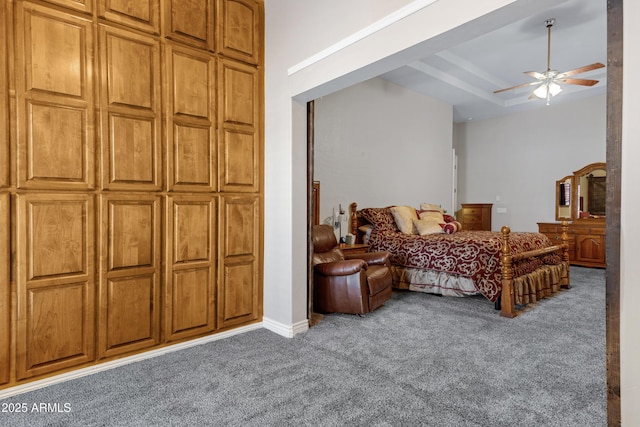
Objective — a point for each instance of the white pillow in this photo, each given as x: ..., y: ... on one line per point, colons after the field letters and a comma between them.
x: 432, y: 215
x: 431, y: 207
x: 427, y: 226
x: 404, y: 216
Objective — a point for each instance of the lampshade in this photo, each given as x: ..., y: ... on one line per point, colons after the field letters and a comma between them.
x: 547, y: 88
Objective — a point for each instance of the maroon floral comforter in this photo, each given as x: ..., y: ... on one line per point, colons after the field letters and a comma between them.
x: 473, y: 254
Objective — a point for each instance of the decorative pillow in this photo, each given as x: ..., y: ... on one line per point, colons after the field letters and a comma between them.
x: 451, y: 227
x: 380, y: 218
x: 425, y: 227
x: 432, y: 215
x: 431, y: 207
x: 448, y: 218
x: 404, y: 216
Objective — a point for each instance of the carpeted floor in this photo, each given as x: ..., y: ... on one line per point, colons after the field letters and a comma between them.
x: 419, y: 360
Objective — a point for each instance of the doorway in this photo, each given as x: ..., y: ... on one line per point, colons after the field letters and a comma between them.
x: 613, y: 203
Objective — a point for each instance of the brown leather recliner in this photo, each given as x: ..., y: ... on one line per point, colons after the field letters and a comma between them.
x: 355, y: 284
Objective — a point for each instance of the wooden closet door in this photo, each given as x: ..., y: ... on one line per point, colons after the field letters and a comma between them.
x: 191, y: 121
x: 55, y: 282
x: 240, y: 26
x: 130, y: 110
x: 5, y: 288
x: 240, y: 298
x: 190, y: 22
x: 55, y: 99
x: 239, y: 139
x: 5, y: 164
x: 143, y: 15
x: 130, y: 273
x: 191, y: 256
x: 85, y: 6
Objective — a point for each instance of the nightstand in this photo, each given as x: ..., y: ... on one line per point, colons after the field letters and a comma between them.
x: 475, y: 216
x: 358, y: 248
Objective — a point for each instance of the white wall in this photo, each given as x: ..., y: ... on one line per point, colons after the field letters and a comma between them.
x: 519, y: 157
x: 379, y: 144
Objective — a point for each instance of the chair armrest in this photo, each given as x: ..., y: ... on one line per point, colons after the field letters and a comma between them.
x: 371, y: 258
x: 341, y: 268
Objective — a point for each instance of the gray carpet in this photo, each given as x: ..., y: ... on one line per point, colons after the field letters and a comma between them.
x: 419, y: 360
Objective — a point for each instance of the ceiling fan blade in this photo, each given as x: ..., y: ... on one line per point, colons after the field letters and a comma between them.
x: 535, y: 75
x: 581, y: 82
x: 516, y: 87
x: 584, y: 69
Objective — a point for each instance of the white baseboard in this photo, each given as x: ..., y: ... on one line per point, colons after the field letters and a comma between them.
x: 287, y: 331
x: 79, y: 373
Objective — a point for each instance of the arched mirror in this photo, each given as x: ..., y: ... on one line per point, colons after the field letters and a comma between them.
x: 589, y: 192
x: 564, y: 198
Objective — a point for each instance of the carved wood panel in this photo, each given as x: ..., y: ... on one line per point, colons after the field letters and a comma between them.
x: 54, y: 89
x: 55, y: 282
x: 5, y: 165
x: 5, y: 288
x: 240, y: 29
x: 130, y: 273
x: 140, y: 14
x: 239, y: 300
x: 190, y: 265
x: 239, y: 146
x: 131, y: 105
x: 590, y: 249
x: 191, y: 124
x: 190, y: 22
x: 85, y: 6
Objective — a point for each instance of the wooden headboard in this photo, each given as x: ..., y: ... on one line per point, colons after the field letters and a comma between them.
x: 355, y: 222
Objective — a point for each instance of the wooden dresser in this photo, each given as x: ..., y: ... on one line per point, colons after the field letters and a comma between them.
x: 475, y: 216
x: 586, y: 241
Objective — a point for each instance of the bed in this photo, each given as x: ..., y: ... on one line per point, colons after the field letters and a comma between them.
x: 513, y: 270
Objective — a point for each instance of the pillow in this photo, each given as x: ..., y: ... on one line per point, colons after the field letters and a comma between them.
x: 433, y: 215
x: 404, y: 216
x: 451, y: 227
x: 380, y: 218
x: 448, y: 218
x: 431, y: 207
x: 427, y: 226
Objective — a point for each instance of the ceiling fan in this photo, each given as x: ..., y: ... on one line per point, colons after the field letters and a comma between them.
x: 549, y: 81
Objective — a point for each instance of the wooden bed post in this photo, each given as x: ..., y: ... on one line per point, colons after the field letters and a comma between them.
x: 353, y: 221
x: 507, y: 296
x: 565, y: 281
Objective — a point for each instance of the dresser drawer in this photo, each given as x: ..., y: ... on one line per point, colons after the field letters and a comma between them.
x: 547, y: 228
x: 472, y: 211
x: 468, y: 219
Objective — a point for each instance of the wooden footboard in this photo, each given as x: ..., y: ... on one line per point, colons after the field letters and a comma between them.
x: 507, y: 296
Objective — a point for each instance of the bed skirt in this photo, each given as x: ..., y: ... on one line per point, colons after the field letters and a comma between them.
x: 529, y: 288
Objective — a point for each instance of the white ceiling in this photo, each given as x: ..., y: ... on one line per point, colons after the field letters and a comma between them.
x: 466, y: 75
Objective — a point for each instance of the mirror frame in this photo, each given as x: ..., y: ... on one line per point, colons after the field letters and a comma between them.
x: 557, y: 202
x: 575, y: 207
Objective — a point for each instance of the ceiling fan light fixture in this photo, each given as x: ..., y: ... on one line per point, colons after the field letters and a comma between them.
x: 554, y: 89
x: 546, y: 90
x: 541, y: 91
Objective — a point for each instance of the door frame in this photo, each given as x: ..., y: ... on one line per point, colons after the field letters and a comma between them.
x: 613, y: 204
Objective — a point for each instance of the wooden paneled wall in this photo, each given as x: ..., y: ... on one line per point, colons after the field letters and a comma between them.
x: 131, y: 164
